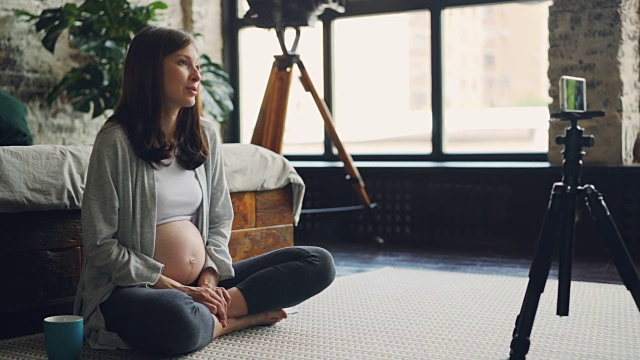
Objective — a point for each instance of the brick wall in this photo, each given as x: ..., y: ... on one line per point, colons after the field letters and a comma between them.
x: 28, y: 71
x: 598, y: 40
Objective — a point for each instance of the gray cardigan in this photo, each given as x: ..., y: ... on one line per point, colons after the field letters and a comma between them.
x: 118, y: 225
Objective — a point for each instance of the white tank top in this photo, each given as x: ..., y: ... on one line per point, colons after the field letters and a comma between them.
x: 178, y: 193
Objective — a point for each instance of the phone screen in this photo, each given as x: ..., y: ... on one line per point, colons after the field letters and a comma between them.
x: 573, y: 94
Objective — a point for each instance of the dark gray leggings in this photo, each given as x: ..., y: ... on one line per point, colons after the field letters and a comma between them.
x: 168, y: 322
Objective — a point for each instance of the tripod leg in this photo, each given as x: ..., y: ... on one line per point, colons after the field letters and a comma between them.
x: 567, y: 238
x: 269, y: 130
x: 539, y: 272
x: 350, y: 168
x: 259, y: 132
x: 615, y: 243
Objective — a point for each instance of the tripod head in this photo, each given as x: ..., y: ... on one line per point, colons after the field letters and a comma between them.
x: 575, y: 116
x: 293, y: 50
x: 283, y: 14
x: 573, y: 142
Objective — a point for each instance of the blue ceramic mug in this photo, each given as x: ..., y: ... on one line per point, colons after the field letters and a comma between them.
x: 63, y: 336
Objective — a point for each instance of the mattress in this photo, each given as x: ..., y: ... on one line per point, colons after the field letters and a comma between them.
x: 52, y: 177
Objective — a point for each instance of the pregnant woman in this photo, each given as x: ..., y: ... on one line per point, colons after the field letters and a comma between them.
x: 156, y: 220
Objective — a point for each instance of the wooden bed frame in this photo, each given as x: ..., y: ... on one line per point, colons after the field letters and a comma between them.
x: 42, y: 250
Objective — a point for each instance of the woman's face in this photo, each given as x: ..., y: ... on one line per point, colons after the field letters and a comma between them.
x: 181, y: 78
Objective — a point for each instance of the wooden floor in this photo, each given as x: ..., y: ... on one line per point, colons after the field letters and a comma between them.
x: 354, y: 258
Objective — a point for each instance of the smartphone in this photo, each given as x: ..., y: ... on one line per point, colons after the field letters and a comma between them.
x: 573, y: 94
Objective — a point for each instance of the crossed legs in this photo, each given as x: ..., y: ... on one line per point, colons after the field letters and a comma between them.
x: 265, y: 284
x: 169, y: 322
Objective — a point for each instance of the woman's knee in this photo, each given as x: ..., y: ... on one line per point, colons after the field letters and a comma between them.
x: 166, y: 322
x: 322, y: 269
x: 188, y: 327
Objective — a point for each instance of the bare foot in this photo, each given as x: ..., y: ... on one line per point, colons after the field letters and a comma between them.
x: 247, y: 321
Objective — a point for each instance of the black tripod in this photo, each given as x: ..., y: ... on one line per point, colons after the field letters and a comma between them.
x: 559, y: 225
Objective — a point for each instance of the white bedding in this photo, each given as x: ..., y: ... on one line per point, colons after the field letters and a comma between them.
x: 51, y: 177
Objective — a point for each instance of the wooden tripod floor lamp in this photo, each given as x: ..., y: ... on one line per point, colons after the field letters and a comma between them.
x: 269, y: 130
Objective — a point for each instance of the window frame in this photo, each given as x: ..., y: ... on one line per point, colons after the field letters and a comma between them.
x: 232, y: 26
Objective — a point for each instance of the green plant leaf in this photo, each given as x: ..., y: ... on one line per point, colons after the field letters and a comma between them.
x: 83, y: 104
x: 48, y: 18
x: 98, y: 107
x: 157, y: 5
x: 21, y: 13
x: 51, y: 37
x: 70, y: 78
x: 53, y: 22
x: 217, y: 98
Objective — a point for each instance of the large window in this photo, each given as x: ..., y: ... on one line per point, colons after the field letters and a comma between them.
x: 409, y: 81
x: 382, y: 101
x: 495, y: 78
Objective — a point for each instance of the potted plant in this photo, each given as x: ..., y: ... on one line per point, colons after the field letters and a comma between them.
x: 103, y: 30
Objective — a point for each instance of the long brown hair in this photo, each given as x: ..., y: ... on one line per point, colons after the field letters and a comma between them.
x: 140, y: 104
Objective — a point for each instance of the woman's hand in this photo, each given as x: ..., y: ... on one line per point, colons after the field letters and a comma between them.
x: 207, y: 293
x: 209, y: 280
x: 216, y: 300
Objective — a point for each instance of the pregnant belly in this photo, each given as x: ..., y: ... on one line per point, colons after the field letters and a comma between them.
x: 179, y: 246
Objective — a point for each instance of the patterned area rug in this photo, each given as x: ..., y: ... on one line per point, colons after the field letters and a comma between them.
x: 418, y: 314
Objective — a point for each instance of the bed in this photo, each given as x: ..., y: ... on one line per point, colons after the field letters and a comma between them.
x: 40, y: 202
